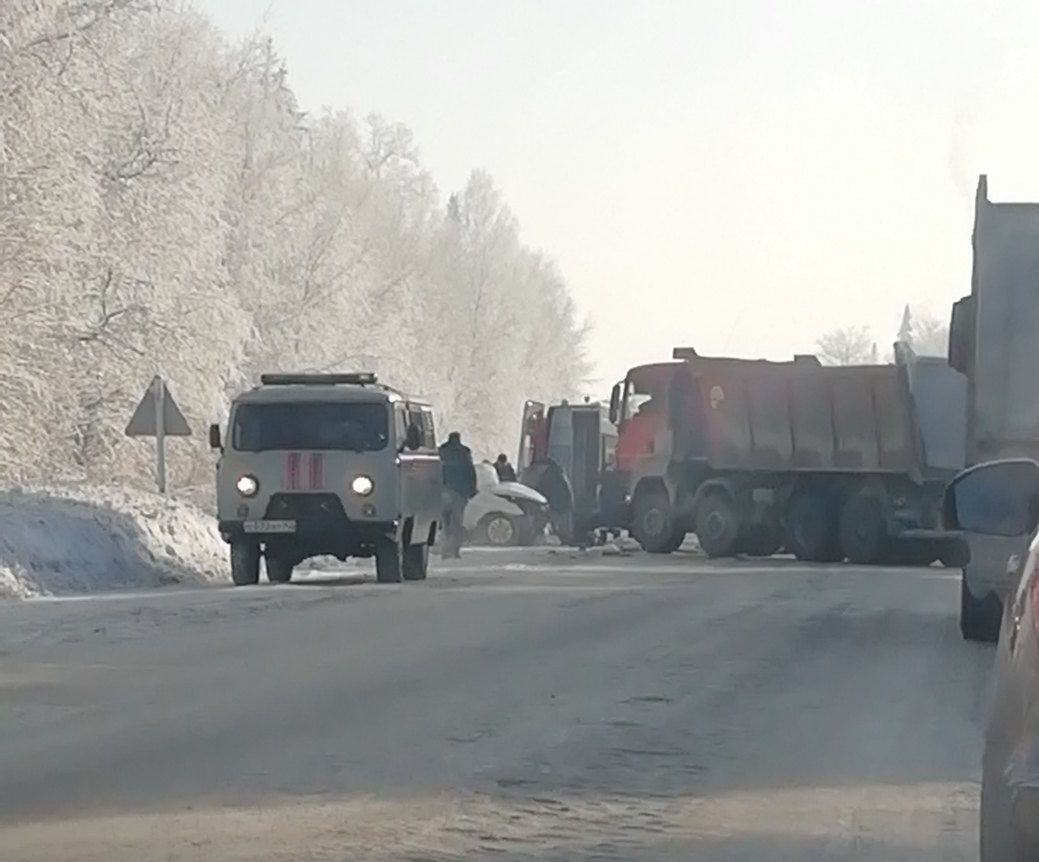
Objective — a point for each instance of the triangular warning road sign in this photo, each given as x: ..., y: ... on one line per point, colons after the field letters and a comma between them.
x: 142, y: 423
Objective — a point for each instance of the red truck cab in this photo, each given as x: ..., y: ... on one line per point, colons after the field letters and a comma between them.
x: 639, y: 409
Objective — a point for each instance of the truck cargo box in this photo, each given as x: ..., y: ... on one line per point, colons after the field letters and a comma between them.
x: 801, y: 416
x: 994, y: 336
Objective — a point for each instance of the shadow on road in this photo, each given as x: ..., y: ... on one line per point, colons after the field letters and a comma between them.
x: 334, y: 581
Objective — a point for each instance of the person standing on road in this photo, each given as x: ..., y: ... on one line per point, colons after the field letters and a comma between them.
x: 459, y: 487
x: 506, y: 472
x: 554, y: 486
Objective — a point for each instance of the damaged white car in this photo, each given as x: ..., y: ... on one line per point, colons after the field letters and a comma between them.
x: 504, y: 513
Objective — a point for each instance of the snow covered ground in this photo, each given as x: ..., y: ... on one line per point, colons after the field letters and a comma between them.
x: 80, y: 539
x: 77, y: 539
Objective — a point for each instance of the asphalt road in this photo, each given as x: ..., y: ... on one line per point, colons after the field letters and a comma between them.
x: 520, y: 705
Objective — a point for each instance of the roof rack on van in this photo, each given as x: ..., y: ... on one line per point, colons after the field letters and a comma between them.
x: 356, y: 378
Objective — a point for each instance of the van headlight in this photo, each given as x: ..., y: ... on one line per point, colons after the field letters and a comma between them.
x: 247, y: 486
x: 362, y: 485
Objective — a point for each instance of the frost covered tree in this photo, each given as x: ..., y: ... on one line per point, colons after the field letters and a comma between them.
x: 852, y: 345
x: 905, y: 329
x: 926, y: 334
x: 166, y: 207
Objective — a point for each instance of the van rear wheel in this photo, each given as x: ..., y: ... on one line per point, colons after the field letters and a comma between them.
x: 388, y: 563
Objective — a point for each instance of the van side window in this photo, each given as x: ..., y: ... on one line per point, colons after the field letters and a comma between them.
x: 401, y: 423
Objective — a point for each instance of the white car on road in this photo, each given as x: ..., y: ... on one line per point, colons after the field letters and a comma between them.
x: 504, y: 513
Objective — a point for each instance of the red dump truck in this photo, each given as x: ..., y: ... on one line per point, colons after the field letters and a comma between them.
x: 828, y: 463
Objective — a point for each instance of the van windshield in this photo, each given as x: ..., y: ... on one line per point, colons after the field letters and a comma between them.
x: 321, y: 425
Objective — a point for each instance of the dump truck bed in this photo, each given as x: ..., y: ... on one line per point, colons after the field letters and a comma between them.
x: 801, y: 416
x: 994, y: 330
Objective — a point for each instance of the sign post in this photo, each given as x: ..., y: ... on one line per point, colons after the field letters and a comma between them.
x: 157, y: 416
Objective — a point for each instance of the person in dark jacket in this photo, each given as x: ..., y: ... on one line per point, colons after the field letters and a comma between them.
x: 505, y: 471
x: 459, y: 476
x: 554, y: 486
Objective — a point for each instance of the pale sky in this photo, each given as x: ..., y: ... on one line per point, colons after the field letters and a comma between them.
x: 738, y: 176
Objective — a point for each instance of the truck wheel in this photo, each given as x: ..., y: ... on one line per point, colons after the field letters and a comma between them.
x: 653, y: 524
x: 760, y: 540
x: 717, y: 525
x: 677, y: 540
x: 810, y: 532
x: 279, y: 570
x: 416, y: 562
x: 980, y: 619
x: 388, y: 564
x: 245, y: 563
x: 863, y: 530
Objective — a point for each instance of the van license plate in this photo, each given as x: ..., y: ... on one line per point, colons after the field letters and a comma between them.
x: 270, y: 526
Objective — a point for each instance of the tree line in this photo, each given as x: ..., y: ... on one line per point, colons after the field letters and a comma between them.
x: 855, y: 345
x: 166, y: 207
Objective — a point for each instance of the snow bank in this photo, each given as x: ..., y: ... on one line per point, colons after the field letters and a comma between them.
x: 79, y: 539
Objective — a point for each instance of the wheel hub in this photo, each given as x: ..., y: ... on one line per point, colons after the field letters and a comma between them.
x: 654, y: 521
x: 715, y: 525
x: 500, y: 531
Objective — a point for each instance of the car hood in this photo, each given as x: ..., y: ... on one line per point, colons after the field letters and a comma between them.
x: 518, y: 491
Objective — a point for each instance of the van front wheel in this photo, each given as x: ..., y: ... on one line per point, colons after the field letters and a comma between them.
x: 245, y: 563
x: 388, y: 563
x: 279, y: 569
x: 416, y: 562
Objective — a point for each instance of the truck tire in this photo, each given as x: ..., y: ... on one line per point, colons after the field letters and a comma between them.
x: 388, y: 563
x: 863, y: 530
x: 279, y: 570
x: 416, y: 562
x: 245, y: 563
x: 980, y: 619
x: 760, y: 540
x: 810, y: 528
x: 677, y: 540
x: 653, y: 524
x: 717, y: 525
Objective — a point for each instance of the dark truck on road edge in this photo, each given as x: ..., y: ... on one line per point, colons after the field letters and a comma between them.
x: 994, y: 341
